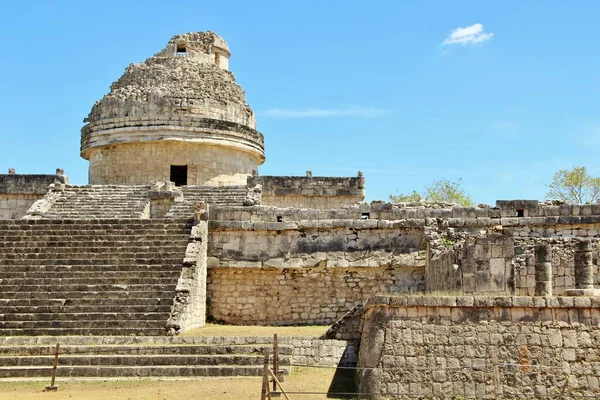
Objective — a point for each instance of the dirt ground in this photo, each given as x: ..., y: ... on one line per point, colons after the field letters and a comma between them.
x: 301, y: 380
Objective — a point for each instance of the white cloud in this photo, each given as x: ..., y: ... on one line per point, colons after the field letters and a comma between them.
x: 350, y: 111
x: 470, y: 35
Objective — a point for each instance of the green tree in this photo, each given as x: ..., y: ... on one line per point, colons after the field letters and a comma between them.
x: 443, y: 191
x: 574, y: 185
x: 405, y: 198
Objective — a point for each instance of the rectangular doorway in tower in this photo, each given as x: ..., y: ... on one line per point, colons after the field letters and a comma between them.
x: 179, y: 174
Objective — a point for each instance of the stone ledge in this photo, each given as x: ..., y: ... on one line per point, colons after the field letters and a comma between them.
x: 456, y: 217
x: 28, y: 184
x: 484, y: 301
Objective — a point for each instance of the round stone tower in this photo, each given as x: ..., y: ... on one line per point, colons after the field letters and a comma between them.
x: 177, y: 116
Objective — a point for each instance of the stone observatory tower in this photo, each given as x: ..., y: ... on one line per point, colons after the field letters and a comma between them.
x: 177, y: 116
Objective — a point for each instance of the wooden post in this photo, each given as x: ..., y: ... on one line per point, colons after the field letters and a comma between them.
x: 276, y: 381
x: 265, y: 382
x: 53, y: 387
x: 275, y: 359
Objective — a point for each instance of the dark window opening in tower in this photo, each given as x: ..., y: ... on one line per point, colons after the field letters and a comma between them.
x: 179, y: 174
x: 218, y: 59
x: 181, y: 51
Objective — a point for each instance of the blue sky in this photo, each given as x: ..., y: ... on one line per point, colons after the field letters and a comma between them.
x: 392, y: 88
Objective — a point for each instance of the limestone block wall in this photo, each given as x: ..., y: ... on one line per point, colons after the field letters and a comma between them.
x: 300, y: 272
x: 304, y: 244
x: 309, y: 191
x: 443, y: 274
x: 15, y: 206
x: 301, y: 296
x: 18, y: 192
x: 324, y: 352
x: 486, y: 265
x: 140, y: 163
x: 483, y: 347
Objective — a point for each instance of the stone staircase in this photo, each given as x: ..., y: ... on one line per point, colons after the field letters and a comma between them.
x: 94, y: 201
x: 114, y: 201
x: 129, y: 357
x: 214, y: 195
x: 89, y: 277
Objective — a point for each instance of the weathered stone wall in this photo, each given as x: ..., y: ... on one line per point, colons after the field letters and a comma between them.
x: 307, y: 272
x: 303, y: 244
x: 19, y: 192
x: 140, y: 163
x: 349, y: 327
x: 324, y: 352
x: 309, y: 191
x: 15, y: 206
x: 443, y: 274
x: 486, y: 265
x: 564, y: 219
x: 301, y: 296
x: 484, y: 347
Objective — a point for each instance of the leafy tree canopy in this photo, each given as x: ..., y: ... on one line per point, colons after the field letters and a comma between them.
x: 574, y: 185
x: 442, y: 191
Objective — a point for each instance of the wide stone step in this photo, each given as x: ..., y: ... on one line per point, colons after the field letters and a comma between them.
x: 110, y: 280
x: 140, y: 325
x: 70, y: 273
x: 130, y: 350
x: 87, y: 263
x: 108, y: 257
x: 111, y: 331
x: 86, y: 301
x: 95, y: 287
x: 67, y: 315
x: 29, y: 228
x: 147, y: 248
x: 90, y: 294
x: 105, y: 239
x: 75, y: 308
x: 136, y: 360
x: 134, y: 372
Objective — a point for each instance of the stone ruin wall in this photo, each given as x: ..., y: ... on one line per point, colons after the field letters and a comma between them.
x: 304, y: 269
x: 299, y: 273
x: 309, y: 192
x: 484, y: 347
x: 19, y: 192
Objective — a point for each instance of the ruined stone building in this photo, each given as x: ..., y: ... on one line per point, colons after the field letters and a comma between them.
x: 177, y: 227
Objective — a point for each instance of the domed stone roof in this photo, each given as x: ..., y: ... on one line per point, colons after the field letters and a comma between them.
x: 188, y: 77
